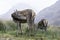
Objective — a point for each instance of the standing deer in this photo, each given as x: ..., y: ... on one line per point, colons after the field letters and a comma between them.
x: 24, y: 16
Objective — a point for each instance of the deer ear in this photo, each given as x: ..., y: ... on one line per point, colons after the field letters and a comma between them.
x: 16, y: 11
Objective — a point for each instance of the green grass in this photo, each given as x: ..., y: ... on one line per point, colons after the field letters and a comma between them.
x: 52, y: 33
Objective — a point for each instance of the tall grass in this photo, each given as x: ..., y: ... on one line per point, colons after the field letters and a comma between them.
x: 8, y: 30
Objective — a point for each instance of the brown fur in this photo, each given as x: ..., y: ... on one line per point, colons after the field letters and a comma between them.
x: 24, y: 16
x: 43, y: 24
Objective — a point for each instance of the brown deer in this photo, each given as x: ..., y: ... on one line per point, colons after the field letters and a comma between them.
x: 24, y: 16
x: 43, y: 24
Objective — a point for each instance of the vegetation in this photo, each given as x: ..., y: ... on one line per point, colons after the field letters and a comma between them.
x: 8, y: 32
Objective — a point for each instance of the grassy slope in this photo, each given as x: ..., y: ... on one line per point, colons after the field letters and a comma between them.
x: 52, y: 33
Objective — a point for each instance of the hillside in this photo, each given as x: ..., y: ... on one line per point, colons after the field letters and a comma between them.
x: 52, y: 14
x: 7, y: 15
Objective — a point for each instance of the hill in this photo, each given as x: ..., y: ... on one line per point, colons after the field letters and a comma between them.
x: 52, y: 14
x: 7, y: 15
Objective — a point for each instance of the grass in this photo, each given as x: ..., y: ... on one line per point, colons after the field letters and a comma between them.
x: 52, y: 33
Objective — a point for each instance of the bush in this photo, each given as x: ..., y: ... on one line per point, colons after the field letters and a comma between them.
x: 11, y: 25
x: 2, y: 26
x: 7, y: 26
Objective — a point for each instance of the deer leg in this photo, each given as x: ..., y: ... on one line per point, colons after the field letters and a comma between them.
x: 29, y: 21
x: 17, y: 28
x: 20, y: 28
x: 28, y: 25
x: 32, y: 23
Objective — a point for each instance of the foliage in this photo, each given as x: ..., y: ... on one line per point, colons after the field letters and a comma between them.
x: 11, y: 25
x: 52, y: 33
x: 2, y: 26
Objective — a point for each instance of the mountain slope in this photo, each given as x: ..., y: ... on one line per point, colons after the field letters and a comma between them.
x: 52, y: 14
x: 7, y: 15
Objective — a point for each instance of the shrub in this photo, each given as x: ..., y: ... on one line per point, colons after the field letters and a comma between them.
x: 2, y: 27
x: 11, y: 25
